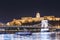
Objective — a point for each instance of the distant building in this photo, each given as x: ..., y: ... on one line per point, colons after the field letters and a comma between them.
x: 38, y: 15
x: 37, y: 18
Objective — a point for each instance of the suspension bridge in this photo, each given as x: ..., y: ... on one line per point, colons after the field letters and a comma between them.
x: 31, y: 28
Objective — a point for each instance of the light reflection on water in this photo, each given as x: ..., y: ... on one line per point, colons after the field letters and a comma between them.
x: 34, y: 36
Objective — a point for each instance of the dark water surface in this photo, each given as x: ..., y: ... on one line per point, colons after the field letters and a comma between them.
x: 34, y: 36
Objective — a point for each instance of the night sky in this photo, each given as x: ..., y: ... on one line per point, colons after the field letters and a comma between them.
x: 16, y: 9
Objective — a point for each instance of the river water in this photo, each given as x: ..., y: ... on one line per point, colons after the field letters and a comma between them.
x: 34, y: 36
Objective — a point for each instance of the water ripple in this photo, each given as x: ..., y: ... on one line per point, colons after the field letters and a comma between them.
x: 34, y: 36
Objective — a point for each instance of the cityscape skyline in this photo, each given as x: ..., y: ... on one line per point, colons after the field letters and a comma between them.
x: 16, y: 9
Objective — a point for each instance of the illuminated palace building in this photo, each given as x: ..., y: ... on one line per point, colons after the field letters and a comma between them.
x: 52, y: 20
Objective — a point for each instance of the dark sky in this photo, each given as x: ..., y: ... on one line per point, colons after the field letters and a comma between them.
x: 16, y: 9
